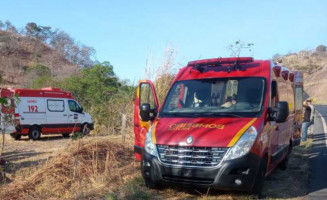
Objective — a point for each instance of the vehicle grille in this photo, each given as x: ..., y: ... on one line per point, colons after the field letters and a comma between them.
x: 191, y: 156
x: 191, y: 180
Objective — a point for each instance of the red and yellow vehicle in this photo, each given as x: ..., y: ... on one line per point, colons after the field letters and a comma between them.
x: 196, y: 138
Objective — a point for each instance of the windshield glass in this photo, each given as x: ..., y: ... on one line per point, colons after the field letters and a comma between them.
x: 235, y: 97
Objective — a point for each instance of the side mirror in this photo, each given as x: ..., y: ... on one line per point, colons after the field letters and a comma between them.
x: 282, y: 111
x: 145, y: 112
x: 82, y: 109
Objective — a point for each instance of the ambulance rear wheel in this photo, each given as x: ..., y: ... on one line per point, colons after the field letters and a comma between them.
x: 65, y: 134
x: 34, y: 133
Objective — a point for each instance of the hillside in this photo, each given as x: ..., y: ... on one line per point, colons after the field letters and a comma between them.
x: 20, y: 53
x: 314, y: 65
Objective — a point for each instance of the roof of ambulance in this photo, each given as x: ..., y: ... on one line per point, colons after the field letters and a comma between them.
x: 225, y: 67
x: 44, y: 92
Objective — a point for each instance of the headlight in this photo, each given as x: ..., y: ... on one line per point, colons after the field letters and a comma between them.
x: 243, y: 145
x: 149, y: 146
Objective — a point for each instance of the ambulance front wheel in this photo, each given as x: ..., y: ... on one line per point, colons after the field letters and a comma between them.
x: 15, y: 136
x: 34, y: 133
x: 86, y: 129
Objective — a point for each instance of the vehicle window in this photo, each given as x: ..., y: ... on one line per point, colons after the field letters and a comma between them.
x: 215, y: 97
x: 298, y: 98
x: 56, y: 105
x: 73, y: 106
x: 274, y: 98
x: 146, y: 95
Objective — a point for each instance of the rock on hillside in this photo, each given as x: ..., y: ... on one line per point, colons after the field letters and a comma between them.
x: 18, y: 53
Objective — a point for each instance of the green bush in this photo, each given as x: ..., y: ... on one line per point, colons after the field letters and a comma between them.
x: 39, y: 70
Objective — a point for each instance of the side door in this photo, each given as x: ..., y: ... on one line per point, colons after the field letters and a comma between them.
x: 74, y: 114
x: 56, y: 115
x: 145, y: 94
x: 274, y: 131
x: 298, y: 114
x: 286, y: 129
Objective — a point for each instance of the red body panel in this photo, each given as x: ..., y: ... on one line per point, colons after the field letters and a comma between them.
x: 207, y: 132
x: 258, y: 69
x: 45, y: 92
x: 141, y: 127
x: 220, y: 132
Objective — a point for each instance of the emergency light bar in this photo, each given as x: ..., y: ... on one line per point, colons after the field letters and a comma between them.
x: 218, y: 61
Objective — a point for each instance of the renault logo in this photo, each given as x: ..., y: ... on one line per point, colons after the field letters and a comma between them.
x: 189, y: 140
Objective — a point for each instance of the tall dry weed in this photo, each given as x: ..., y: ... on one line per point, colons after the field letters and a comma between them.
x: 85, y: 170
x: 163, y: 74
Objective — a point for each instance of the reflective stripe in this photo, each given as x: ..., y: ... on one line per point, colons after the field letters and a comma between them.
x: 240, y: 133
x: 154, y: 140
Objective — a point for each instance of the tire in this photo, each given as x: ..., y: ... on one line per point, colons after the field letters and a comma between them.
x: 34, y: 133
x: 257, y: 187
x: 65, y: 135
x: 283, y: 165
x: 85, y: 129
x: 16, y: 136
x: 151, y: 185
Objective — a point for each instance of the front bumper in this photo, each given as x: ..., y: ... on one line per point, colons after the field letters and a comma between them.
x: 91, y: 126
x: 238, y: 174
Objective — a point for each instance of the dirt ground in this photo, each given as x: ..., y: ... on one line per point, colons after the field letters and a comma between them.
x: 25, y: 157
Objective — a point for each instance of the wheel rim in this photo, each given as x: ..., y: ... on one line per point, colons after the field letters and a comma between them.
x: 35, y: 134
x: 86, y: 129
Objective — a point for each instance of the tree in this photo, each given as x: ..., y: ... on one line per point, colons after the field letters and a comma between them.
x: 10, y: 27
x: 238, y: 46
x: 42, y: 33
x: 321, y: 49
x: 1, y: 25
x: 95, y: 85
x: 277, y: 58
x: 6, y: 117
x: 79, y: 54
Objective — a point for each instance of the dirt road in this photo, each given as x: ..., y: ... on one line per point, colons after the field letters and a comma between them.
x: 23, y: 156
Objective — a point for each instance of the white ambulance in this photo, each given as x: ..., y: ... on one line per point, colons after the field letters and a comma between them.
x: 48, y: 111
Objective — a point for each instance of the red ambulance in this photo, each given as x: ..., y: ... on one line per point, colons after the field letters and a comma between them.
x: 226, y: 123
x: 48, y: 111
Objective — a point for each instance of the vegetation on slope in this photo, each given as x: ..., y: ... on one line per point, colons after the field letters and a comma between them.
x: 314, y: 65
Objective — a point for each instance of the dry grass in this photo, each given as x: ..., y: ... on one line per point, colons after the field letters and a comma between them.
x: 289, y: 184
x: 85, y: 169
x: 292, y: 183
x: 104, y: 168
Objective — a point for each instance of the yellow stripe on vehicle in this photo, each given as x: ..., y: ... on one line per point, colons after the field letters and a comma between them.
x: 154, y: 140
x: 240, y: 133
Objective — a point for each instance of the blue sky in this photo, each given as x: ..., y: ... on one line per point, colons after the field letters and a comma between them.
x: 126, y: 33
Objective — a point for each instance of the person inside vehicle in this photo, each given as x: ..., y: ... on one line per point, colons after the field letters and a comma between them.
x: 200, y: 99
x: 230, y: 101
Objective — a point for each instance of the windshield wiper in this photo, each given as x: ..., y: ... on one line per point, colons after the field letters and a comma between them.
x: 223, y: 114
x: 180, y: 114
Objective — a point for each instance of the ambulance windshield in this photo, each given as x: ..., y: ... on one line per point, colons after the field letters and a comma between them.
x: 238, y: 97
